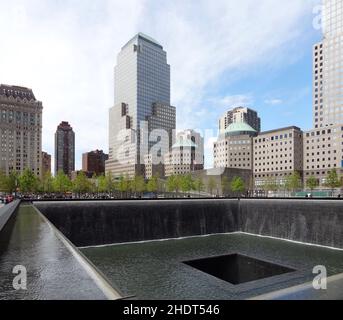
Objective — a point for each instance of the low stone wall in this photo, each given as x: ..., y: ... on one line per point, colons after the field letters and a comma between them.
x: 98, y: 223
x: 7, y: 211
x: 310, y: 221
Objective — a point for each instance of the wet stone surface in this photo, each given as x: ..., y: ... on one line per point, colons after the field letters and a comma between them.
x: 52, y: 271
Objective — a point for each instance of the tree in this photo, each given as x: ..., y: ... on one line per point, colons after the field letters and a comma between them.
x: 152, y: 185
x: 47, y: 182
x: 271, y: 184
x: 293, y: 182
x: 110, y: 183
x: 102, y: 184
x: 211, y: 185
x: 226, y: 186
x: 186, y: 183
x: 124, y: 185
x: 28, y: 181
x: 62, y: 183
x: 312, y: 183
x: 171, y: 184
x: 138, y: 185
x: 332, y: 180
x: 82, y: 184
x: 198, y: 185
x: 237, y: 185
x: 3, y: 182
x: 9, y: 184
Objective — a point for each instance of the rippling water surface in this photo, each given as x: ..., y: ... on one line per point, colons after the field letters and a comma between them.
x: 155, y: 270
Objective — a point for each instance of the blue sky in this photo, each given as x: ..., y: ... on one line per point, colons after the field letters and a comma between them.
x: 222, y: 53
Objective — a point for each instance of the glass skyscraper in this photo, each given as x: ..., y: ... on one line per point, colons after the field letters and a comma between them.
x: 328, y: 68
x: 142, y: 80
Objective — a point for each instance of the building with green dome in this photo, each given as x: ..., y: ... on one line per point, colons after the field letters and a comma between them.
x: 234, y: 147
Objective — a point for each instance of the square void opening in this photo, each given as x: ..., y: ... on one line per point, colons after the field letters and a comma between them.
x: 237, y: 269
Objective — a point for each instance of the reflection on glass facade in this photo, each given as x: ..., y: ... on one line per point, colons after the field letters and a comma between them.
x: 328, y: 68
x: 142, y: 79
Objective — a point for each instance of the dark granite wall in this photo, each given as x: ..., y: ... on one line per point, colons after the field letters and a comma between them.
x: 97, y: 223
x: 310, y: 221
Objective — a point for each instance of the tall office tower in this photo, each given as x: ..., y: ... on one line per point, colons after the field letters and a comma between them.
x: 142, y: 81
x: 94, y: 162
x: 328, y: 68
x: 20, y: 130
x: 238, y: 115
x: 64, y: 149
x: 46, y: 163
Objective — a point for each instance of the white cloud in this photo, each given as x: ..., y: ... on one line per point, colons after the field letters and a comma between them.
x: 273, y: 102
x: 66, y: 51
x: 233, y: 101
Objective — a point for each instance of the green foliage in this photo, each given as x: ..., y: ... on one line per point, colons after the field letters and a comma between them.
x: 312, y: 183
x: 271, y: 184
x: 47, y: 183
x: 110, y: 183
x: 152, y: 185
x: 28, y: 181
x: 226, y: 186
x: 198, y: 185
x: 293, y: 182
x: 211, y: 185
x: 171, y: 184
x: 332, y: 180
x: 82, y: 184
x: 186, y: 183
x: 237, y: 185
x: 124, y: 184
x: 62, y: 183
x: 137, y: 184
x: 102, y: 184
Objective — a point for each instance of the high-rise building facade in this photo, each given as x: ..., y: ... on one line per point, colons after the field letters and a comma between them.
x: 277, y: 155
x: 323, y: 152
x: 238, y: 115
x: 46, y: 163
x: 20, y: 130
x: 234, y: 147
x: 142, y: 81
x: 65, y: 149
x: 328, y: 68
x: 94, y: 162
x: 186, y: 155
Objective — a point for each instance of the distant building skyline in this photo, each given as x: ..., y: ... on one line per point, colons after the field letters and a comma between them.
x: 64, y: 148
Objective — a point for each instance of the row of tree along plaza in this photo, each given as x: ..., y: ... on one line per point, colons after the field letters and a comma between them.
x: 28, y: 185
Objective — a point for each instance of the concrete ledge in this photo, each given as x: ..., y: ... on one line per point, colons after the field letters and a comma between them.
x: 7, y: 211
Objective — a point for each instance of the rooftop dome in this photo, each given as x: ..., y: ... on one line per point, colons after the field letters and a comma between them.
x: 239, y: 128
